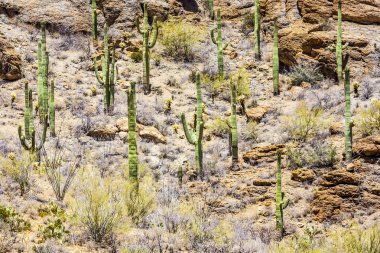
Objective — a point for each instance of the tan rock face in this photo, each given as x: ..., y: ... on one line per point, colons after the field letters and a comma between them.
x: 303, y: 175
x: 151, y: 133
x: 337, y: 177
x: 10, y: 60
x: 257, y: 113
x: 262, y: 154
x: 369, y: 146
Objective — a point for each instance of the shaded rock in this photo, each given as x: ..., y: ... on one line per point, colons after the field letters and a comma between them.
x: 303, y: 175
x: 257, y: 113
x: 263, y: 182
x: 336, y: 128
x: 337, y: 177
x: 151, y: 133
x: 10, y: 60
x: 367, y: 147
x: 107, y: 132
x: 372, y: 187
x: 262, y: 154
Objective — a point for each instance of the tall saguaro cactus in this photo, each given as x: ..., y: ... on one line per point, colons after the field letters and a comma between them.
x: 94, y: 30
x: 281, y: 202
x: 109, y: 73
x: 276, y: 61
x: 149, y: 41
x: 339, y: 54
x: 232, y: 123
x: 30, y: 143
x: 52, y: 110
x: 347, y: 116
x: 211, y: 8
x: 43, y: 72
x: 132, y: 135
x: 195, y: 137
x: 218, y: 41
x: 257, y: 30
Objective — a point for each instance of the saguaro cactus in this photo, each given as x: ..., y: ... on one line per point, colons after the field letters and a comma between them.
x: 147, y: 45
x: 109, y: 73
x: 43, y: 72
x: 232, y: 123
x: 30, y: 144
x: 132, y: 141
x: 94, y: 30
x: 52, y: 110
x: 257, y: 30
x: 218, y: 41
x: 347, y: 116
x: 281, y: 202
x: 211, y: 8
x: 195, y: 137
x: 339, y: 54
x: 276, y: 61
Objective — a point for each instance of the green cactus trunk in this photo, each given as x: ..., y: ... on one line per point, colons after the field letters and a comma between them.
x: 347, y: 116
x: 45, y: 88
x: 27, y: 113
x: 233, y: 125
x: 257, y: 30
x: 195, y: 137
x: 40, y: 73
x: 132, y: 135
x: 339, y: 54
x: 211, y: 9
x: 147, y: 45
x: 43, y: 72
x: 94, y: 30
x: 276, y: 61
x: 281, y: 202
x: 218, y: 41
x: 109, y: 73
x: 180, y: 176
x: 52, y: 110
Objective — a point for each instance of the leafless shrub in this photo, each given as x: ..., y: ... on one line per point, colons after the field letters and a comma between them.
x: 367, y: 88
x: 305, y: 72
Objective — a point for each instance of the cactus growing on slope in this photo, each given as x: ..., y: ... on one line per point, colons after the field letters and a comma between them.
x: 94, y: 30
x: 339, y: 54
x: 218, y: 41
x: 281, y: 202
x: 232, y: 124
x: 43, y: 72
x: 257, y: 30
x: 28, y: 113
x: 132, y: 135
x: 347, y: 116
x: 276, y: 61
x: 211, y: 8
x: 149, y: 41
x: 109, y: 73
x: 195, y: 137
x: 52, y: 110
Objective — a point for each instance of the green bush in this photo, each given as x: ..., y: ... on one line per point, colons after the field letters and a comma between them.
x: 180, y: 38
x: 13, y: 219
x: 305, y: 72
x: 219, y: 127
x: 18, y: 169
x: 242, y: 79
x: 137, y: 56
x: 368, y: 120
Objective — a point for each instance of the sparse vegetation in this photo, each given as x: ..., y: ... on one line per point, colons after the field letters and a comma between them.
x: 18, y: 169
x: 305, y: 72
x: 368, y: 120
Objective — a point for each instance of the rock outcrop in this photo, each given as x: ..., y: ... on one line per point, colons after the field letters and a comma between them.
x: 10, y: 60
x: 262, y: 154
x: 367, y: 147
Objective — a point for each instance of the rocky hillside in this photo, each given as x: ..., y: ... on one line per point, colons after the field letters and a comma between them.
x: 232, y: 206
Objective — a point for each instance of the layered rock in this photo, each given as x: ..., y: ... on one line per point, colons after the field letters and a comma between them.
x: 10, y: 60
x: 367, y: 147
x: 262, y: 154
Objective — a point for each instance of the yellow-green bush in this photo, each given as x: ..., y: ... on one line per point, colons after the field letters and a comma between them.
x: 242, y: 79
x: 219, y: 127
x: 368, y: 120
x: 18, y: 169
x: 250, y: 132
x: 305, y: 123
x: 180, y: 38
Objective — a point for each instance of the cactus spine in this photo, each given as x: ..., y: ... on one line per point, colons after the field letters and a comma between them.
x: 109, y: 73
x: 276, y: 61
x: 52, y: 110
x: 30, y: 143
x: 232, y: 123
x: 211, y: 8
x: 147, y: 45
x: 347, y: 116
x: 94, y: 22
x: 339, y: 55
x: 257, y: 30
x: 132, y: 142
x: 218, y: 41
x: 281, y: 202
x: 195, y: 137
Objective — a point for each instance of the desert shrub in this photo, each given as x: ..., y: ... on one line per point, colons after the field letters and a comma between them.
x: 250, y: 131
x: 54, y: 225
x: 214, y: 86
x: 219, y: 127
x: 139, y: 205
x: 305, y: 123
x: 180, y: 38
x: 242, y: 79
x: 18, y: 169
x: 137, y: 56
x: 60, y: 173
x: 98, y: 205
x: 13, y: 219
x: 305, y: 72
x: 316, y: 154
x: 368, y: 120
x: 351, y: 240
x: 248, y: 24
x: 367, y: 88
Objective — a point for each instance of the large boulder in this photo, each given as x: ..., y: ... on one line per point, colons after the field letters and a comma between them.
x: 367, y: 147
x: 10, y: 60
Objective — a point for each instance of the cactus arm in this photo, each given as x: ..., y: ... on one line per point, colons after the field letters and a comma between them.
x: 132, y: 142
x: 276, y: 62
x: 285, y: 203
x: 339, y: 57
x: 154, y: 34
x: 97, y: 72
x: 189, y: 136
x: 43, y: 139
x: 226, y: 45
x: 347, y: 116
x: 137, y: 24
x: 257, y: 29
x: 213, y: 36
x: 26, y: 111
x: 52, y: 109
x: 22, y: 139
x: 94, y: 21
